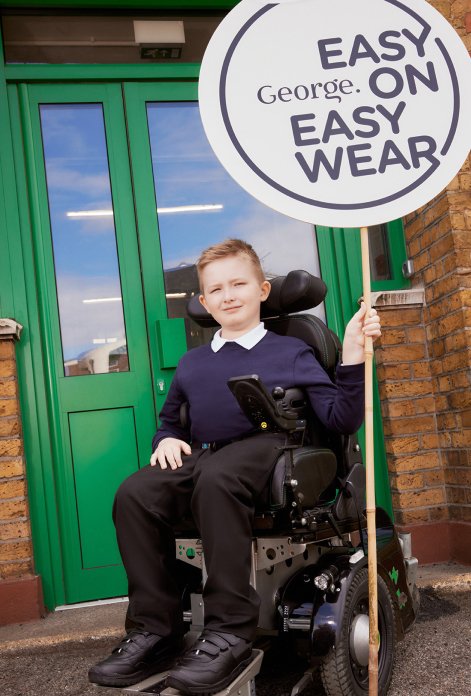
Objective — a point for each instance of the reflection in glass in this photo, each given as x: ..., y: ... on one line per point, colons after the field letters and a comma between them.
x: 379, y: 253
x: 187, y: 173
x: 84, y: 239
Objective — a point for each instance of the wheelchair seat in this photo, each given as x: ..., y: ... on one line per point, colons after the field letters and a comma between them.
x: 319, y: 469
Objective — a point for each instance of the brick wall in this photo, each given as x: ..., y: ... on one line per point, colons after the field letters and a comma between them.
x: 424, y: 366
x: 20, y: 590
x: 409, y: 421
x: 15, y: 534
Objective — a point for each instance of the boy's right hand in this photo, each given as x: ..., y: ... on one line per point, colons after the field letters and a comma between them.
x: 169, y: 451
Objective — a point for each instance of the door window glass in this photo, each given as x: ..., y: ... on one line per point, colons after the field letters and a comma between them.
x: 379, y: 252
x: 199, y: 204
x: 84, y: 240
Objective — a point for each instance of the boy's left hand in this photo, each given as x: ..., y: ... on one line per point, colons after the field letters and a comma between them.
x: 357, y: 328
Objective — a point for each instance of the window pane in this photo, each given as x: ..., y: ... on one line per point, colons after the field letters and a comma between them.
x: 84, y: 240
x: 199, y: 204
x: 379, y: 253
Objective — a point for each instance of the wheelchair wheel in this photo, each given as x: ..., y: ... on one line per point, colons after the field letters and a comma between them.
x: 344, y: 671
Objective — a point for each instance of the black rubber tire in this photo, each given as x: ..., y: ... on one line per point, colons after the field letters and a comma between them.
x: 340, y: 674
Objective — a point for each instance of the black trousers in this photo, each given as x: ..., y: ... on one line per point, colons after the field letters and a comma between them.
x: 219, y: 487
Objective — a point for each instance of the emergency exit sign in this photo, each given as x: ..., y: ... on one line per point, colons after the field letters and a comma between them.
x: 161, y: 52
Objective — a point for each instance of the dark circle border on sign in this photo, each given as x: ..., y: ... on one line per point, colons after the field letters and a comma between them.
x: 312, y: 201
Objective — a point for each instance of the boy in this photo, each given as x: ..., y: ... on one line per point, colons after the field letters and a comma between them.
x: 217, y: 467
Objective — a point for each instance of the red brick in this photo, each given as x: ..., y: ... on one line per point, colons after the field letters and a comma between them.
x: 393, y: 337
x: 414, y: 462
x: 412, y: 516
x: 7, y: 350
x: 407, y: 389
x: 403, y: 407
x: 438, y: 208
x: 416, y: 334
x: 11, y: 509
x: 14, y: 488
x: 429, y: 441
x: 455, y: 361
x: 441, y: 403
x: 11, y: 467
x: 14, y: 530
x: 455, y: 495
x: 428, y: 497
x: 397, y: 371
x: 460, y: 400
x: 466, y: 419
x: 441, y: 248
x: 461, y: 439
x: 438, y: 513
x: 405, y: 426
x: 15, y: 550
x: 402, y: 317
x: 407, y: 482
x: 434, y: 478
x: 446, y: 421
x: 8, y: 387
x: 7, y: 368
x: 14, y: 569
x: 421, y: 369
x: 9, y: 426
x: 402, y: 445
x: 8, y: 407
x: 10, y: 447
x: 425, y: 405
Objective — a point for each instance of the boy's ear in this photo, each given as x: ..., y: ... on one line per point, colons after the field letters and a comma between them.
x: 266, y: 288
x: 203, y: 302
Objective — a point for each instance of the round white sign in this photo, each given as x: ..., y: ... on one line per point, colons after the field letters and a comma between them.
x: 341, y: 112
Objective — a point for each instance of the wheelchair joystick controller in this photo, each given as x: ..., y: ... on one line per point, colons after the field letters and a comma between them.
x: 278, y: 393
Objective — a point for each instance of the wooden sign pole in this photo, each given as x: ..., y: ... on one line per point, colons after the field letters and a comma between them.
x: 370, y: 480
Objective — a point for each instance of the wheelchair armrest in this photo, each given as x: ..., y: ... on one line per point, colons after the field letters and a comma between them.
x: 262, y: 409
x: 313, y: 471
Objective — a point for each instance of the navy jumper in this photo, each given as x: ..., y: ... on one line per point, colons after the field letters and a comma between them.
x: 220, y: 486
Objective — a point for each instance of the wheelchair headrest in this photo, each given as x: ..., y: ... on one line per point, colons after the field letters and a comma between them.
x: 295, y: 292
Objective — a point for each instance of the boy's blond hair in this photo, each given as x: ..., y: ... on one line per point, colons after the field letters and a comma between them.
x: 229, y: 247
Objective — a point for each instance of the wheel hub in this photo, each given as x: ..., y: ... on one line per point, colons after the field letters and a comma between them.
x: 359, y: 639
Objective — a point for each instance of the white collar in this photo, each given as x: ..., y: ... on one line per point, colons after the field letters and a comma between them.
x: 247, y: 340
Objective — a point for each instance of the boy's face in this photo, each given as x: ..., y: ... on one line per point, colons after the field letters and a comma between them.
x: 232, y: 293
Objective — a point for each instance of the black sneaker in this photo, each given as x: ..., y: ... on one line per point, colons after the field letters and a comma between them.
x: 211, y: 664
x: 138, y: 656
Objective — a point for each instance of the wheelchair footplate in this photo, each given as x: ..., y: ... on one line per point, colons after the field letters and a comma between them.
x: 243, y: 684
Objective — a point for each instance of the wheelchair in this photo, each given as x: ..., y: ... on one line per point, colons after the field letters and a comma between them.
x: 309, y: 549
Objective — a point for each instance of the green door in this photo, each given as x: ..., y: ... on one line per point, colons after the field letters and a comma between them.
x: 102, y: 411
x: 124, y: 192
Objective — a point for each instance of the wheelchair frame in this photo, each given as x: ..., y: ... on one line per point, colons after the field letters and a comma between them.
x: 305, y: 577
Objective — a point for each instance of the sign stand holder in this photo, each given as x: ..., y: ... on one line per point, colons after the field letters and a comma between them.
x: 370, y: 479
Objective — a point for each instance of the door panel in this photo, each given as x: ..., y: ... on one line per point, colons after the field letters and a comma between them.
x: 97, y: 477
x: 196, y: 202
x: 93, y: 319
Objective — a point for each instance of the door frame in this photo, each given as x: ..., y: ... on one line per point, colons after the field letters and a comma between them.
x: 40, y: 441
x: 72, y: 394
x: 40, y: 447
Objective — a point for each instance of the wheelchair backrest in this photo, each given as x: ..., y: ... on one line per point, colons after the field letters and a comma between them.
x: 297, y: 292
x: 289, y: 295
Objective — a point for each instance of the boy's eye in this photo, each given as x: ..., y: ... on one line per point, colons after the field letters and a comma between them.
x: 240, y: 283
